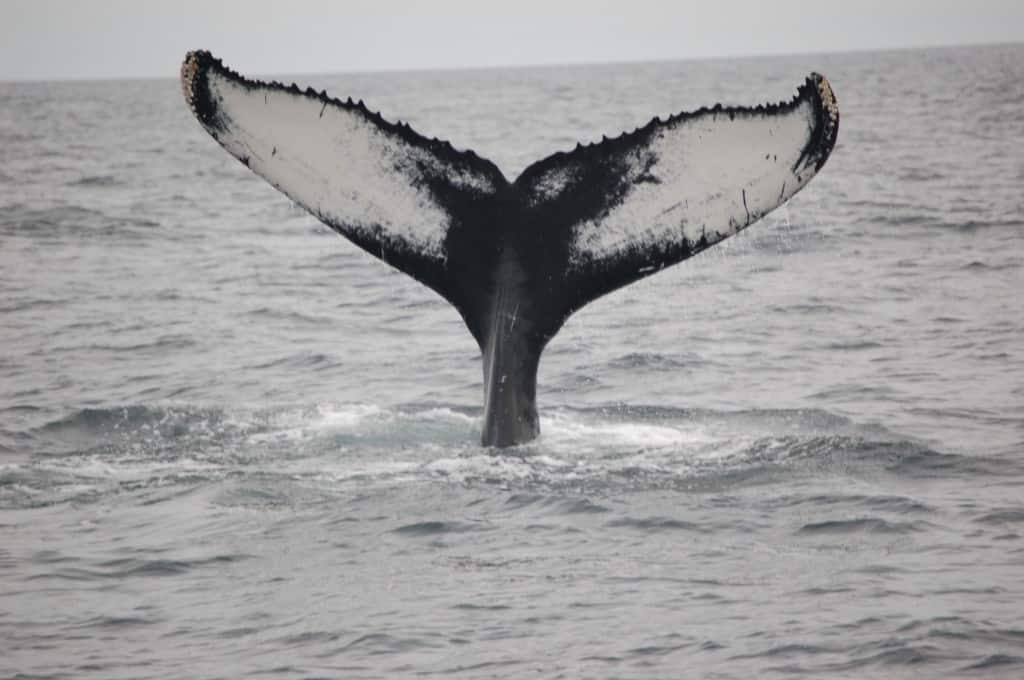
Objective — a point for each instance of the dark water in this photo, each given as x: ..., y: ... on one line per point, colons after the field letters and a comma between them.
x: 232, y: 445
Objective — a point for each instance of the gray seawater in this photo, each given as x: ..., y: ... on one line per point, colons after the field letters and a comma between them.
x: 233, y: 445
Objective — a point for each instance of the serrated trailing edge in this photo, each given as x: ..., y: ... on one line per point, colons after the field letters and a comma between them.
x: 815, y: 89
x: 199, y: 63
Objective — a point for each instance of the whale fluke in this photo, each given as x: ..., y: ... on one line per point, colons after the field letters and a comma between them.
x: 517, y: 258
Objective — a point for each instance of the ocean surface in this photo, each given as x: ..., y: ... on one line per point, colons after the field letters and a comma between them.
x: 232, y: 445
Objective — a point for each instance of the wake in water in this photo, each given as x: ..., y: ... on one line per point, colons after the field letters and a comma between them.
x: 93, y: 453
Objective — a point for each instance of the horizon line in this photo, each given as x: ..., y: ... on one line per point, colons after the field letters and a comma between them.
x: 539, y: 65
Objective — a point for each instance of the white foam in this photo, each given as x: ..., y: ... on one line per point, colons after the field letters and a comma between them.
x: 345, y: 417
x: 446, y: 414
x: 337, y: 445
x: 299, y: 424
x: 498, y: 468
x: 129, y: 469
x: 335, y: 474
x: 562, y: 431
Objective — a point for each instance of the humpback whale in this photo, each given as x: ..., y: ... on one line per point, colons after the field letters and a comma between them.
x: 517, y: 258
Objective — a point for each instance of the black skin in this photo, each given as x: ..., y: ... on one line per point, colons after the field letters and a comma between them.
x: 513, y: 315
x: 507, y: 268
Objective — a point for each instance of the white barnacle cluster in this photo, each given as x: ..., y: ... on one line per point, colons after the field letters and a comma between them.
x: 828, y: 99
x: 189, y: 71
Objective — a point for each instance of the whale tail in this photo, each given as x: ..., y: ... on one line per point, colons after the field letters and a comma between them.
x: 517, y: 258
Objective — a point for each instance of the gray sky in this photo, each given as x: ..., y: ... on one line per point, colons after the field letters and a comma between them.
x: 42, y: 39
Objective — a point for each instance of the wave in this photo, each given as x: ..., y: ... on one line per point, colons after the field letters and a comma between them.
x: 72, y: 220
x: 942, y: 639
x: 93, y: 181
x: 979, y: 266
x: 163, y: 342
x: 635, y: 360
x: 1012, y: 515
x: 872, y: 525
x: 853, y: 345
x: 434, y: 528
x: 32, y: 304
x: 997, y: 662
x: 299, y: 361
x: 131, y: 567
x: 974, y: 225
x: 656, y: 524
x: 290, y: 316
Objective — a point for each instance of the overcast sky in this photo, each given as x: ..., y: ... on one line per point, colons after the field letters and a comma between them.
x: 43, y: 39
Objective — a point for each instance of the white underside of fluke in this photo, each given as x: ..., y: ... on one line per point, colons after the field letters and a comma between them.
x: 705, y: 177
x: 337, y: 164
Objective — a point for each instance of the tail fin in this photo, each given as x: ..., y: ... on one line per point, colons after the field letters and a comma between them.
x: 636, y: 204
x: 517, y: 259
x: 397, y: 195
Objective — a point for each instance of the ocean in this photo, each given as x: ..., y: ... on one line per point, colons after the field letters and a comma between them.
x: 234, y: 445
